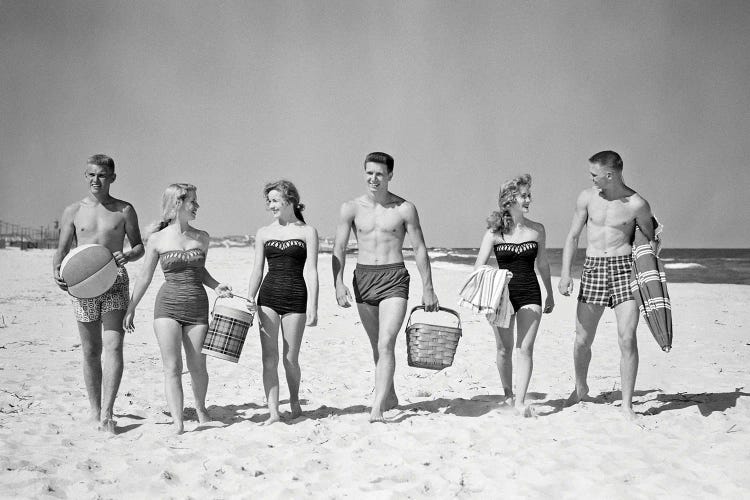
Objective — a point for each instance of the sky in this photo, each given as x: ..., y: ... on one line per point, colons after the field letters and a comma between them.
x: 464, y: 95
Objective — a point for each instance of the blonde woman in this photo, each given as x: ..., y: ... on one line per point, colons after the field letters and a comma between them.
x: 181, y: 308
x: 519, y: 246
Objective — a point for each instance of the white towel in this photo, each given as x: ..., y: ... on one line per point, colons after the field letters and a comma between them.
x: 486, y: 291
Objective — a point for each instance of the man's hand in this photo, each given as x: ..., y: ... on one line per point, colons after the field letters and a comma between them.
x: 59, y: 281
x: 343, y: 297
x: 565, y: 285
x: 120, y: 258
x: 430, y: 300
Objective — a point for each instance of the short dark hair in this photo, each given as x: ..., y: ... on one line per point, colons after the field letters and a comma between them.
x: 607, y: 159
x: 101, y: 160
x: 382, y: 158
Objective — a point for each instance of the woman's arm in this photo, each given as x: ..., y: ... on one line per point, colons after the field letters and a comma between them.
x: 310, y: 273
x: 258, y: 265
x: 142, y: 281
x: 485, y: 249
x: 542, y: 266
x: 221, y: 289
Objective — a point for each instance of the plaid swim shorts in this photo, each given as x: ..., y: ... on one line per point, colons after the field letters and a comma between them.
x: 114, y: 299
x: 606, y: 280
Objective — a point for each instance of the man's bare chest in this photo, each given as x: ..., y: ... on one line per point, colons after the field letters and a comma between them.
x: 95, y: 220
x: 615, y: 213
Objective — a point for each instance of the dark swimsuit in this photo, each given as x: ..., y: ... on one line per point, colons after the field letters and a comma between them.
x: 519, y: 258
x: 182, y: 296
x: 283, y: 288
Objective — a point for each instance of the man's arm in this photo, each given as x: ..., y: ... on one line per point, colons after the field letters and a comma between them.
x: 338, y: 257
x: 67, y: 233
x: 644, y: 219
x: 414, y: 230
x: 133, y: 233
x: 580, y: 216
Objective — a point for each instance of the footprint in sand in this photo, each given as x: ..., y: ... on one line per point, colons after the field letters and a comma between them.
x: 88, y: 465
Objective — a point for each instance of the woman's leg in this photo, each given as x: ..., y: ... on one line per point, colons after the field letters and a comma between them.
x: 169, y: 336
x: 292, y: 328
x: 192, y: 342
x: 269, y: 344
x: 527, y: 324
x: 504, y: 356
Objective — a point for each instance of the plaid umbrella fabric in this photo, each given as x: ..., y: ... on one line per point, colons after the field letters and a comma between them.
x: 648, y: 283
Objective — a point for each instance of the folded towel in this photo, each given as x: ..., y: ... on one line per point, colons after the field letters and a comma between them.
x: 486, y: 291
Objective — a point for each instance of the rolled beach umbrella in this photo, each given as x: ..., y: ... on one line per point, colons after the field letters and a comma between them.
x: 648, y: 283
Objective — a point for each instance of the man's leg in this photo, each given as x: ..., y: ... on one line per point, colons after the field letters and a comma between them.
x: 91, y: 347
x: 627, y: 322
x: 370, y: 316
x: 113, y: 337
x: 587, y: 319
x: 392, y: 313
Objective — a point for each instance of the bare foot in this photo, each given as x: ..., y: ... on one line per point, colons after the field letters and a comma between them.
x: 391, y: 402
x: 526, y: 411
x: 577, y: 396
x: 376, y: 416
x: 179, y: 428
x: 272, y: 419
x: 108, y: 425
x: 203, y: 416
x: 296, y: 409
x: 630, y: 415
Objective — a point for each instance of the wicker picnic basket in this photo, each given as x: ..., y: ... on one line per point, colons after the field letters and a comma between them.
x: 431, y: 346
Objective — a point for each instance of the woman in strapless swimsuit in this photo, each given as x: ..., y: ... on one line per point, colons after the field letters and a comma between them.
x: 519, y: 245
x: 288, y: 295
x: 181, y: 308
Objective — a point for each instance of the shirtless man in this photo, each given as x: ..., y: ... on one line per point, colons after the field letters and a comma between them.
x: 381, y: 220
x: 610, y: 210
x: 100, y: 218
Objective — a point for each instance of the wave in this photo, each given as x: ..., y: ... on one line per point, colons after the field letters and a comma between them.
x: 684, y: 265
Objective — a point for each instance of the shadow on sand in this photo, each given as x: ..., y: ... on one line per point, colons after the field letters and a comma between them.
x: 707, y: 402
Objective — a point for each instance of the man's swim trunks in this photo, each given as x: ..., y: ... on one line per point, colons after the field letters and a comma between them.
x: 372, y: 284
x: 605, y: 280
x: 114, y: 299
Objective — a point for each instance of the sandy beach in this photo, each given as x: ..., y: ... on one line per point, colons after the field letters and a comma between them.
x: 449, y: 437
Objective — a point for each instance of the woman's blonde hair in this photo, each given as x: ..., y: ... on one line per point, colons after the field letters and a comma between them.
x: 501, y: 220
x: 171, y: 200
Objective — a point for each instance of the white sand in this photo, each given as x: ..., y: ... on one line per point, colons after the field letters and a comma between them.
x: 449, y: 437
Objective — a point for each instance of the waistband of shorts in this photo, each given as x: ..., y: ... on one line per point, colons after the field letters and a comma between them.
x: 370, y: 268
x: 606, y: 260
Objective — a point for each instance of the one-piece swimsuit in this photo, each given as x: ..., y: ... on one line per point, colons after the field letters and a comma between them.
x: 283, y: 288
x: 182, y: 297
x: 518, y: 258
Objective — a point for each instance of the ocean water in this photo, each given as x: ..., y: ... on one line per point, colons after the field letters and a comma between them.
x: 682, y: 265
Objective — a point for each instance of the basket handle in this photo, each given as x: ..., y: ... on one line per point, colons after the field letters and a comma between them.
x: 441, y: 308
x: 231, y: 295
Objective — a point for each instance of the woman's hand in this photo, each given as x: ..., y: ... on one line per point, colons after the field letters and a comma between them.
x: 251, y: 305
x: 549, y: 304
x: 223, y: 290
x: 311, y: 317
x: 127, y: 321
